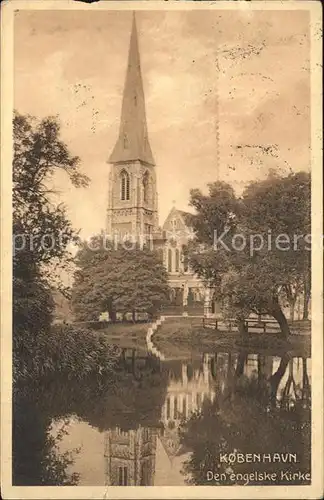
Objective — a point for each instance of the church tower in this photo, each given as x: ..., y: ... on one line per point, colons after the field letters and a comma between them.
x: 132, y: 201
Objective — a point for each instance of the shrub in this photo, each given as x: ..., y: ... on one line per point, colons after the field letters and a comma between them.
x: 75, y: 351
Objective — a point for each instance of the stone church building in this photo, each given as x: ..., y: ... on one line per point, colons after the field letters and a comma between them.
x: 133, y: 194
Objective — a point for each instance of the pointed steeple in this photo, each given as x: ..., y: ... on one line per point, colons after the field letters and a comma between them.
x: 132, y: 143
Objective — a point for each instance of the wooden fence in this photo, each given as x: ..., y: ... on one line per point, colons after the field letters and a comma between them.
x: 253, y: 325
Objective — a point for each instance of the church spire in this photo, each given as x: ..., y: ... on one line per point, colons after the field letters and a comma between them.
x: 132, y: 143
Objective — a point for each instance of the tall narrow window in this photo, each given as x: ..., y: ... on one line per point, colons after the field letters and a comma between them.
x: 145, y: 477
x: 175, y: 411
x: 122, y: 476
x: 146, y: 434
x: 146, y: 187
x: 168, y: 408
x: 124, y: 185
x: 184, y: 406
x: 169, y: 260
x: 177, y: 260
x: 185, y: 259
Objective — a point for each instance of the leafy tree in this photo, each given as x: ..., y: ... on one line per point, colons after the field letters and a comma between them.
x: 41, y: 228
x: 117, y: 279
x: 282, y: 206
x: 39, y: 153
x: 247, y: 273
x: 215, y: 212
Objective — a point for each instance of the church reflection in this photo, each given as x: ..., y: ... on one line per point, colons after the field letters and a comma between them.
x: 132, y: 457
x: 158, y: 416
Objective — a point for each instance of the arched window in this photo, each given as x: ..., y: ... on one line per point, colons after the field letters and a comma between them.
x: 177, y: 260
x: 160, y: 254
x: 169, y: 260
x: 146, y: 186
x: 124, y: 185
x: 185, y: 260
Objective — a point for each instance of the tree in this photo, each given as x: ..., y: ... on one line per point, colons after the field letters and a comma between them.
x: 281, y: 206
x: 41, y: 228
x: 247, y: 273
x: 215, y: 212
x: 117, y: 279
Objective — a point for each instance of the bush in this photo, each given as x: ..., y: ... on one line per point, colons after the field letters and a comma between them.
x: 75, y: 351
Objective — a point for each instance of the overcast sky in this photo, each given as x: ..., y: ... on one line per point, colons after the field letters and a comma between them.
x: 246, y: 73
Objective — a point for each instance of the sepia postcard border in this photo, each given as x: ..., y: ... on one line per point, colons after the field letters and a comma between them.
x: 315, y: 490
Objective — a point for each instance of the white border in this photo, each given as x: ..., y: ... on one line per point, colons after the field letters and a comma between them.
x: 189, y: 492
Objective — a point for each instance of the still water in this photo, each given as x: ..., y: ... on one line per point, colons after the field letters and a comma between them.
x: 169, y: 423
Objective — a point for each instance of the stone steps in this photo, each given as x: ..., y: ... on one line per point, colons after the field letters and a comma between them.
x: 150, y: 332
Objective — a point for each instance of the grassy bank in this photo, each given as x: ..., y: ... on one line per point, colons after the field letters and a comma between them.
x: 181, y: 336
x: 131, y: 335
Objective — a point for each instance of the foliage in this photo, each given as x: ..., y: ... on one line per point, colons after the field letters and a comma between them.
x: 216, y: 211
x: 243, y: 419
x: 133, y: 400
x: 282, y: 206
x: 41, y: 233
x: 37, y: 460
x: 117, y: 279
x: 39, y: 155
x: 249, y: 274
x: 73, y: 351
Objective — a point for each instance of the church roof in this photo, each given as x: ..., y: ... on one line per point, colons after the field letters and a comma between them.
x: 185, y: 216
x: 132, y: 143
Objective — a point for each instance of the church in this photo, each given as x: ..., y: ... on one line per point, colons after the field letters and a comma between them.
x: 133, y: 194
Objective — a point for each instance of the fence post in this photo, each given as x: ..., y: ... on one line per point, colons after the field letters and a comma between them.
x: 264, y: 327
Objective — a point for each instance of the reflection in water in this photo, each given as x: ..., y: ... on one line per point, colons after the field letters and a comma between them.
x: 262, y: 408
x: 166, y: 423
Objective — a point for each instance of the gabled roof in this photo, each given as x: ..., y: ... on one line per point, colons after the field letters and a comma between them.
x: 185, y: 217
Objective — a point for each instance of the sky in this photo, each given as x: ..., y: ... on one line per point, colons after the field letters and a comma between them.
x: 227, y: 95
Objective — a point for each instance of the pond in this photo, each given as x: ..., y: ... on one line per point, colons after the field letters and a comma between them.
x: 218, y: 418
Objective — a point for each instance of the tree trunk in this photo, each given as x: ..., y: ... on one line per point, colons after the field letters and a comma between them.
x: 242, y: 328
x: 277, y: 313
x: 305, y: 386
x: 112, y: 316
x: 261, y: 363
x: 134, y: 316
x: 276, y: 378
x: 123, y: 357
x: 134, y: 362
x: 213, y: 366
x: 241, y: 360
x: 306, y: 304
x: 291, y: 297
